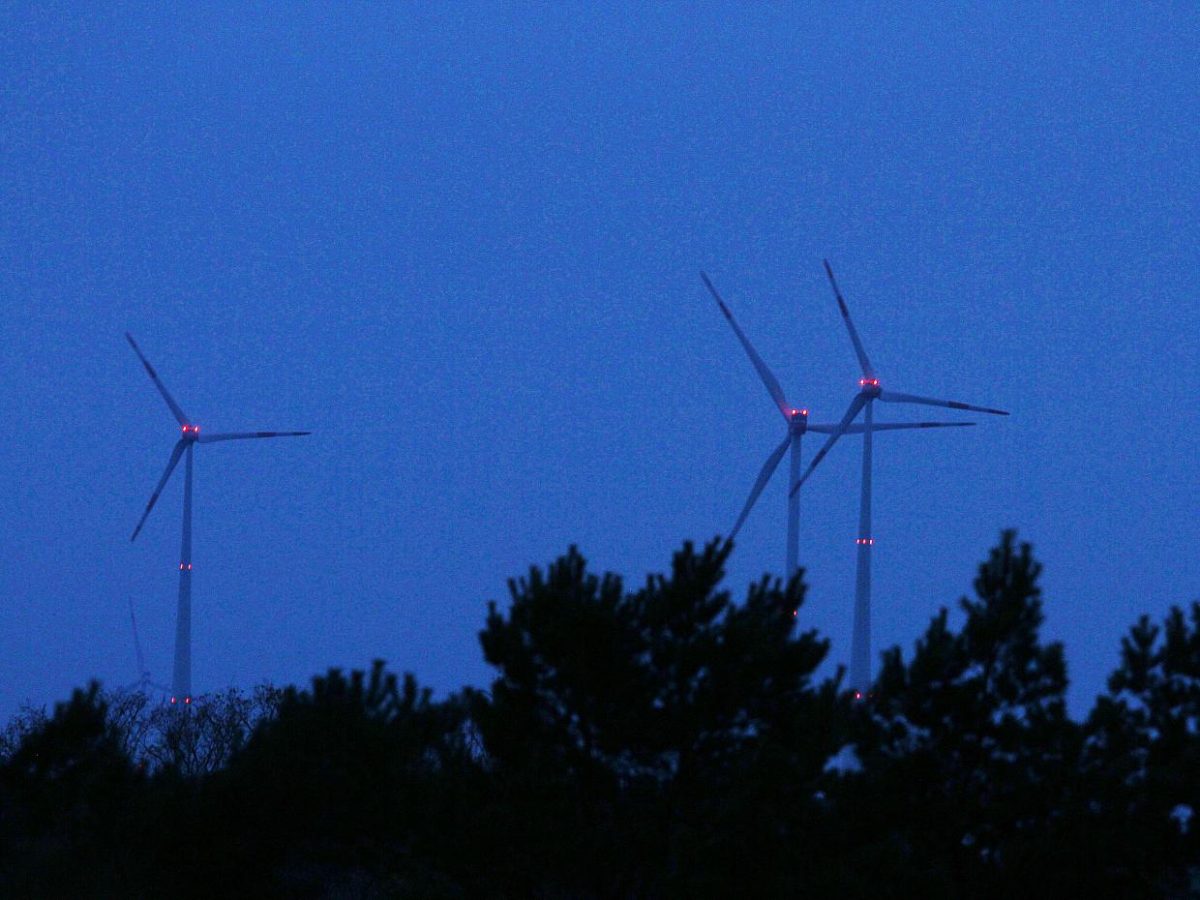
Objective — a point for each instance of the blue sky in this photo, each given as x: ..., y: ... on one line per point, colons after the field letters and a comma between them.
x: 461, y: 244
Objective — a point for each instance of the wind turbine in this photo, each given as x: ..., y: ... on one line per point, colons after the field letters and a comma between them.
x: 181, y: 682
x: 797, y: 424
x: 144, y: 681
x: 869, y: 390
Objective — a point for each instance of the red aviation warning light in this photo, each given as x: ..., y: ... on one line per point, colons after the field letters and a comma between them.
x: 865, y: 542
x: 868, y: 382
x: 190, y: 430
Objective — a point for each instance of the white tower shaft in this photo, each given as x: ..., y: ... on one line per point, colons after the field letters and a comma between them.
x: 181, y: 683
x: 793, y: 512
x: 860, y: 647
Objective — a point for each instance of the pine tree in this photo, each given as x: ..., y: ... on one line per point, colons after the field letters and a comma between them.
x: 354, y: 788
x: 967, y: 747
x: 662, y: 740
x: 68, y: 793
x: 1143, y: 759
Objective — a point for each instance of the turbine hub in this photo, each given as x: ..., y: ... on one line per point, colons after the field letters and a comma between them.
x: 190, y: 432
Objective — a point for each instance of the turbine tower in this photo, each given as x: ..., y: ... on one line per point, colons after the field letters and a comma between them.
x: 797, y: 425
x: 181, y: 682
x: 869, y: 390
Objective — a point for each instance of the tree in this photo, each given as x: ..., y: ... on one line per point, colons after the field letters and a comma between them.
x: 191, y: 740
x: 656, y: 740
x: 1143, y: 759
x: 28, y: 719
x: 201, y: 738
x: 352, y: 788
x: 66, y: 797
x: 967, y: 747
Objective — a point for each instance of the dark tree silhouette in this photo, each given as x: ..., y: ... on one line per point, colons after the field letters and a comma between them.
x: 661, y: 741
x: 1143, y: 761
x: 651, y: 741
x: 967, y: 747
x: 66, y: 796
x: 353, y: 788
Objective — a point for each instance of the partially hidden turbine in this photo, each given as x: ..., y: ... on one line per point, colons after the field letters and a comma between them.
x: 144, y: 682
x: 869, y: 391
x: 181, y: 682
x: 797, y: 424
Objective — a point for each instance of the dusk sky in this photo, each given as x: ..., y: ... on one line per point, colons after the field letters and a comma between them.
x: 461, y: 243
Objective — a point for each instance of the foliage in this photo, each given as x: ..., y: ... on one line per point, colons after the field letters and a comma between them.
x: 651, y: 742
x: 1142, y: 760
x: 190, y: 742
x: 359, y: 768
x: 639, y: 735
x: 965, y: 745
x: 65, y: 792
x: 28, y: 719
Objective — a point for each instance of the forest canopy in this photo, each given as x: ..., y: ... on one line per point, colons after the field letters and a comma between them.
x: 659, y: 740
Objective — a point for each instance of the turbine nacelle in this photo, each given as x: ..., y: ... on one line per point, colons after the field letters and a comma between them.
x: 870, y: 386
x: 189, y: 432
x: 797, y: 420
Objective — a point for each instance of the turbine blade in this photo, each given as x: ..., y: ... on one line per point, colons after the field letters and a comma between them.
x: 868, y: 372
x: 162, y: 388
x: 859, y: 401
x: 904, y: 426
x: 895, y: 426
x: 162, y: 482
x: 764, y: 476
x: 764, y: 373
x: 246, y: 435
x: 893, y: 397
x: 137, y: 644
